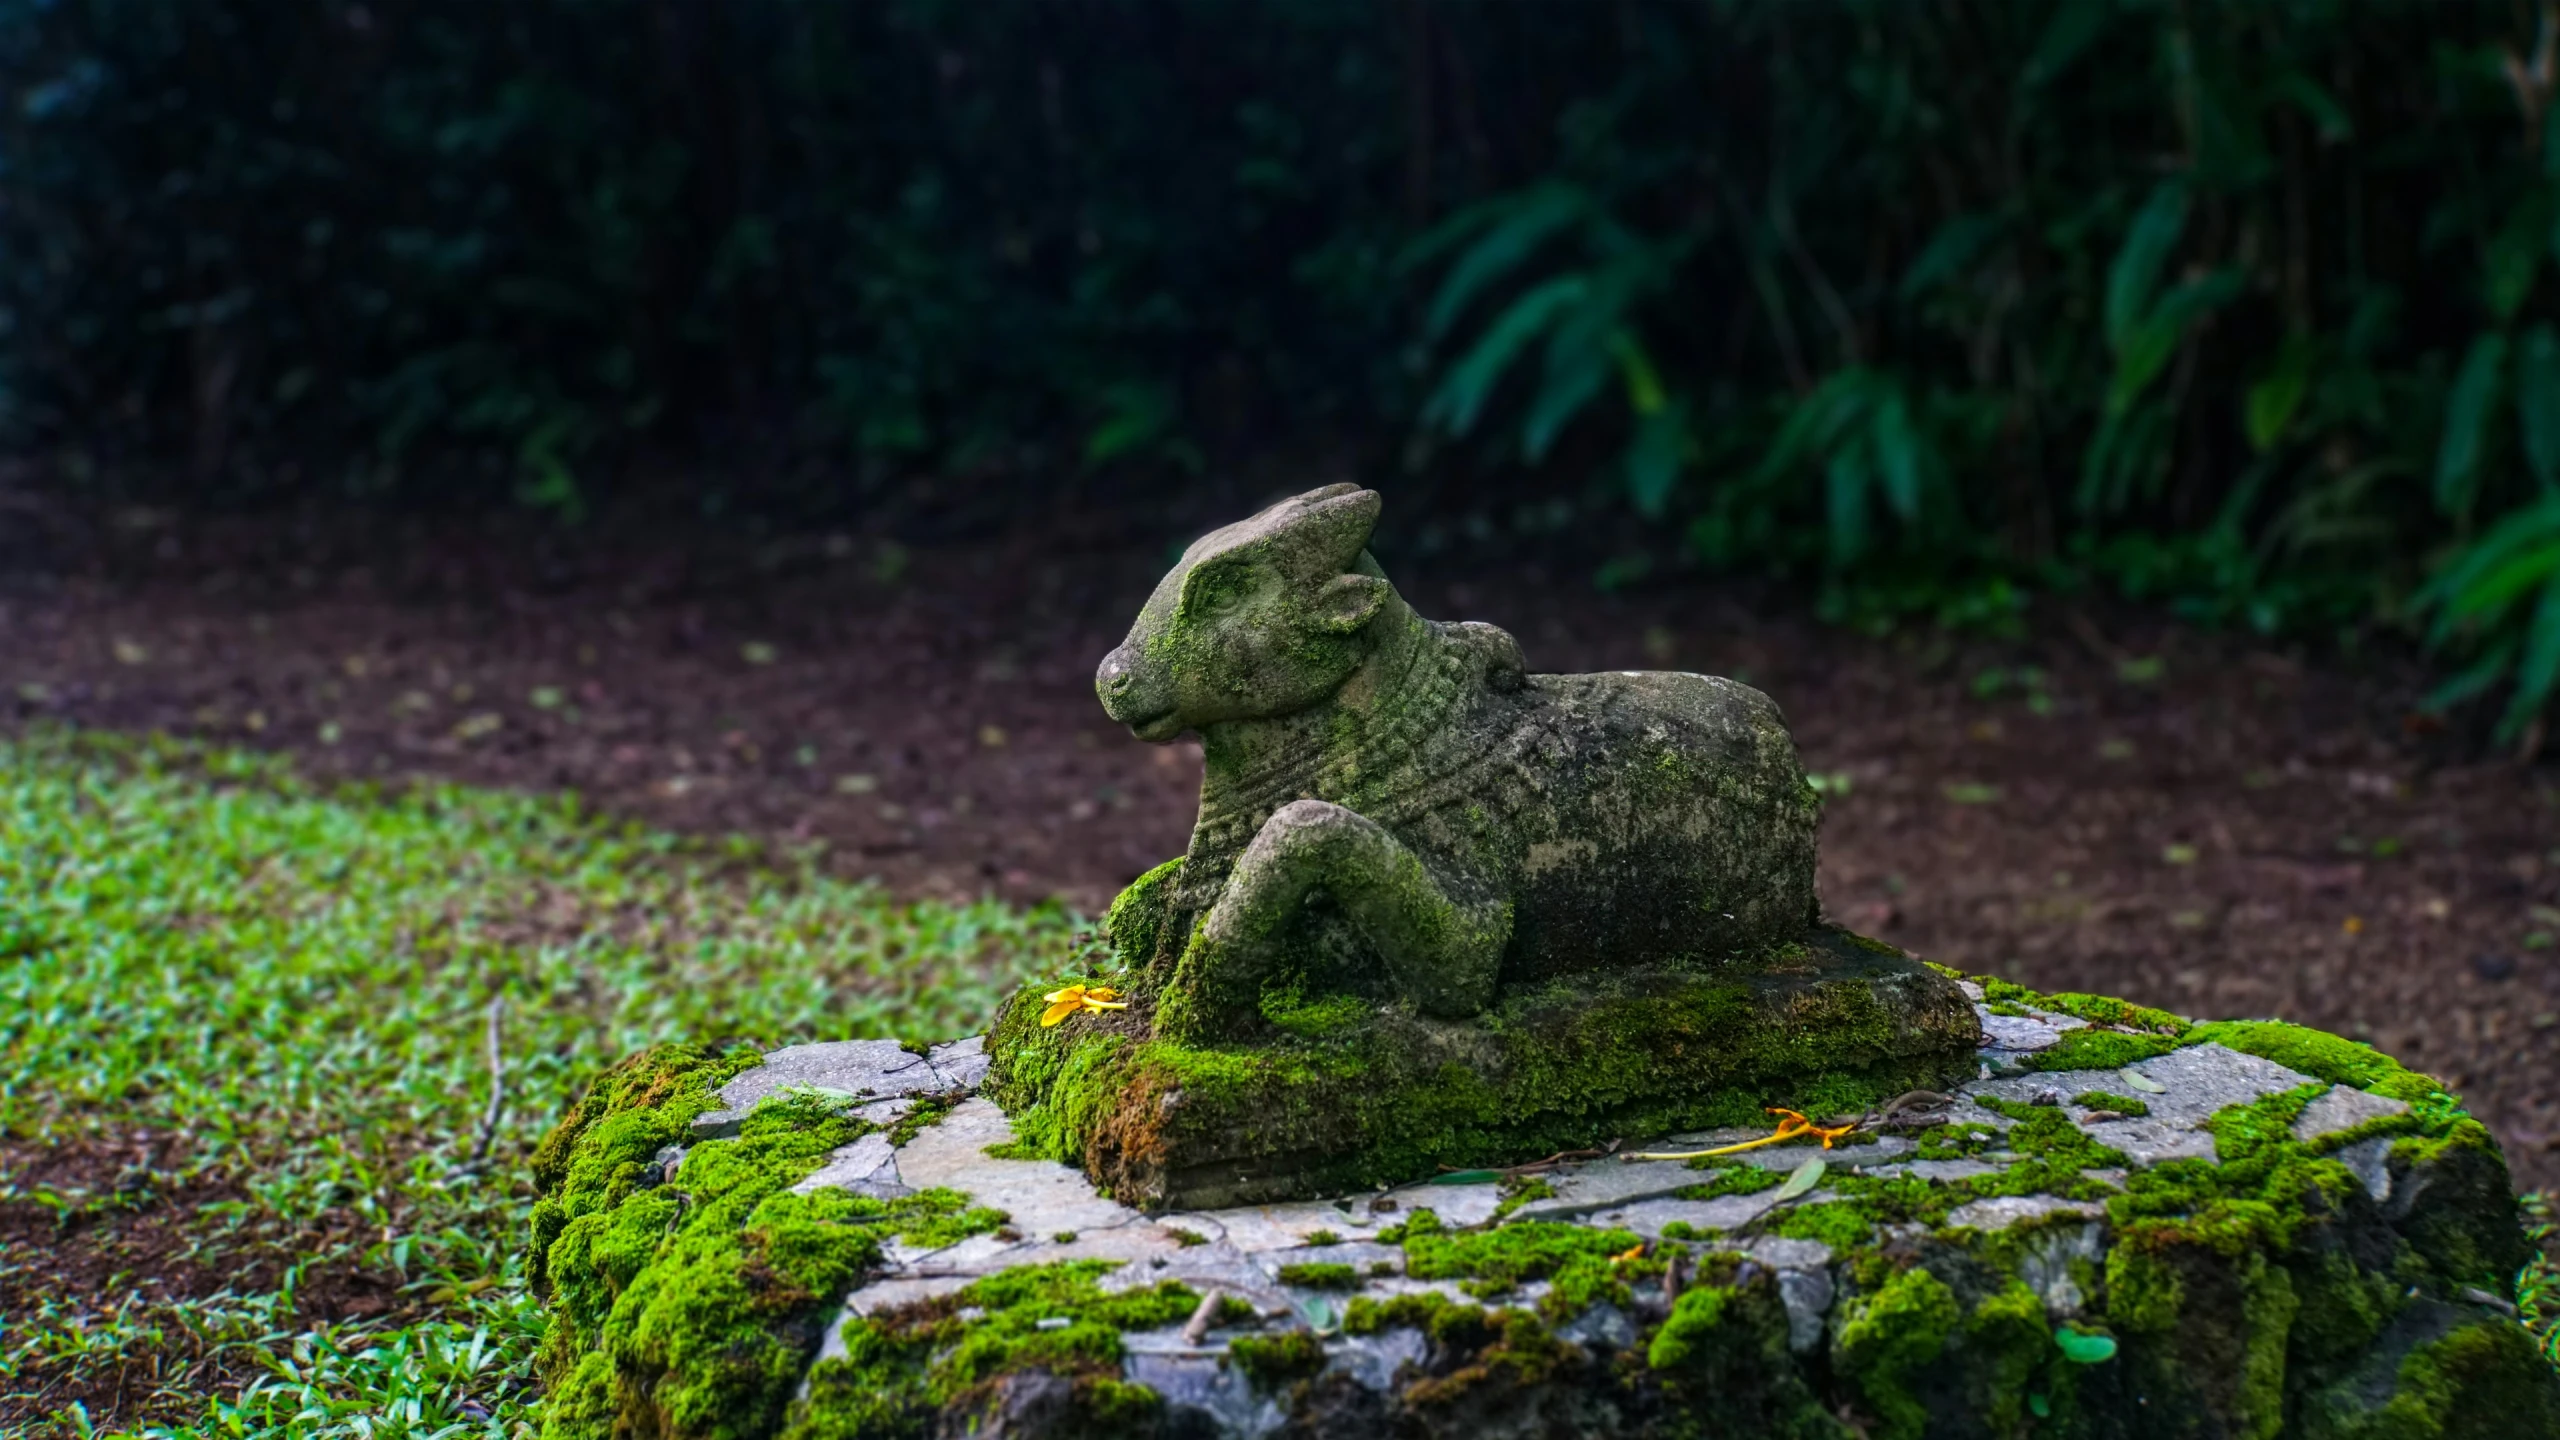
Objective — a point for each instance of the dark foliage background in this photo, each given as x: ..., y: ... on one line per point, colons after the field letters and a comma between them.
x: 1931, y: 304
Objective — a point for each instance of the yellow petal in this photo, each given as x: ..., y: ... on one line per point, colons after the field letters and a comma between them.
x: 1102, y: 992
x: 1068, y: 996
x: 1056, y: 1013
x: 1092, y: 1004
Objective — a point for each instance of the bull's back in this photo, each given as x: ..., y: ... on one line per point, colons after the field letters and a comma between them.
x: 1668, y: 819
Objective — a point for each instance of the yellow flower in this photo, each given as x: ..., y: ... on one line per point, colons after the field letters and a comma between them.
x: 1063, y: 1003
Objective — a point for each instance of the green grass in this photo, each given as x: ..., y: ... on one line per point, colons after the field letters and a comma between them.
x: 293, y: 985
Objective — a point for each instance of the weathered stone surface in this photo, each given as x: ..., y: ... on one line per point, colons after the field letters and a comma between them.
x: 1372, y: 1097
x: 869, y: 1068
x: 2252, y: 1275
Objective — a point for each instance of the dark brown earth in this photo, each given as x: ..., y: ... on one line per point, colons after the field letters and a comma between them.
x: 112, y: 1233
x: 2111, y: 803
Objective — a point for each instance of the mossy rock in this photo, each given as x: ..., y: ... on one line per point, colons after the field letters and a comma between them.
x: 2300, y: 1238
x: 1351, y: 1095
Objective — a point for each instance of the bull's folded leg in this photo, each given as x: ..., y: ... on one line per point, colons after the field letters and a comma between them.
x: 1441, y: 953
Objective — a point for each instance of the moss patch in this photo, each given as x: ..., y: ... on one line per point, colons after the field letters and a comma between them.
x: 694, y: 1298
x: 1321, y: 1275
x: 1344, y: 1098
x: 953, y: 1354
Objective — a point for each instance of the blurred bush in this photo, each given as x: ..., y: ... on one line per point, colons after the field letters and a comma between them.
x: 2242, y: 308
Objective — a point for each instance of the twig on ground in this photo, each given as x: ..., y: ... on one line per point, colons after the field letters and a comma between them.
x: 487, y: 1138
x: 1195, y: 1331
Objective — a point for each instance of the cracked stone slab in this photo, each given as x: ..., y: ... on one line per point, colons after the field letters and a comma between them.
x: 2018, y: 1033
x: 1648, y: 1217
x: 2003, y: 1212
x: 868, y: 1166
x: 1043, y: 1197
x: 879, y: 1068
x: 2340, y: 1108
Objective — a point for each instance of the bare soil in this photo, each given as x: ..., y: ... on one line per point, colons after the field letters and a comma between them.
x: 112, y: 1232
x: 2112, y: 803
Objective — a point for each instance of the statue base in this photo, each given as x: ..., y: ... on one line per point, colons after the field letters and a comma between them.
x: 1345, y: 1095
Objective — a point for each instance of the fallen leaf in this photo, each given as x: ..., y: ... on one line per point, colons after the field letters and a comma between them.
x: 2142, y: 1082
x: 1804, y: 1178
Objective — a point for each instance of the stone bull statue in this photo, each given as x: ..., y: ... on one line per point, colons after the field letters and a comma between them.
x: 1394, y: 808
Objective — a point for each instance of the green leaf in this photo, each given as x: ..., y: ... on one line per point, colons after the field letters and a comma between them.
x: 2538, y: 403
x: 1470, y: 382
x: 1846, y: 476
x: 2274, y: 399
x: 2466, y: 422
x: 2135, y: 273
x: 2147, y: 351
x: 2075, y: 26
x: 2539, y: 668
x: 1574, y: 374
x: 1898, y: 453
x: 1466, y: 1177
x: 2081, y: 1348
x: 1801, y: 1180
x: 1654, y: 459
x: 2514, y: 254
x: 2141, y: 1082
x: 2483, y: 675
x: 1507, y: 242
x: 2508, y: 582
x: 1952, y: 249
x: 2314, y: 100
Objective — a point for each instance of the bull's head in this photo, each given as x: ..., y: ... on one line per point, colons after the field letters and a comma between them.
x: 1264, y: 617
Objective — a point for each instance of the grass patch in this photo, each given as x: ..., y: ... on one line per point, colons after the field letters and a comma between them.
x: 293, y: 984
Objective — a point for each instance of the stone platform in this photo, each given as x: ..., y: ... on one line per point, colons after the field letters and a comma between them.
x: 1351, y: 1095
x: 2241, y: 1229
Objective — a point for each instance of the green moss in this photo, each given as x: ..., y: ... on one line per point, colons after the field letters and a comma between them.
x: 2091, y: 1048
x: 1520, y: 1190
x: 2108, y: 1100
x: 1721, y: 1357
x: 1962, y: 1140
x: 1135, y: 919
x: 1426, y: 1310
x: 693, y: 1297
x: 2006, y: 1345
x: 1891, y: 1337
x: 1583, y: 1266
x: 904, y: 1367
x: 1388, y: 1098
x: 1732, y: 1177
x: 1272, y: 1361
x: 1842, y: 1225
x: 923, y: 1113
x: 1321, y: 1275
x: 2480, y: 1381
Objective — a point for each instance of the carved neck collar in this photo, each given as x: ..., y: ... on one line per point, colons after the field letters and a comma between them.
x: 1406, y: 693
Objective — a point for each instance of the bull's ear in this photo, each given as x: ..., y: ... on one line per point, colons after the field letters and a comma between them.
x: 1348, y: 602
x: 1326, y: 537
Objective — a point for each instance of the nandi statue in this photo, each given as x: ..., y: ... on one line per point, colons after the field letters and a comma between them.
x: 1417, y: 863
x: 1466, y: 823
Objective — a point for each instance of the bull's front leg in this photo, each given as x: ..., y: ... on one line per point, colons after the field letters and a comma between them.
x: 1440, y: 952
